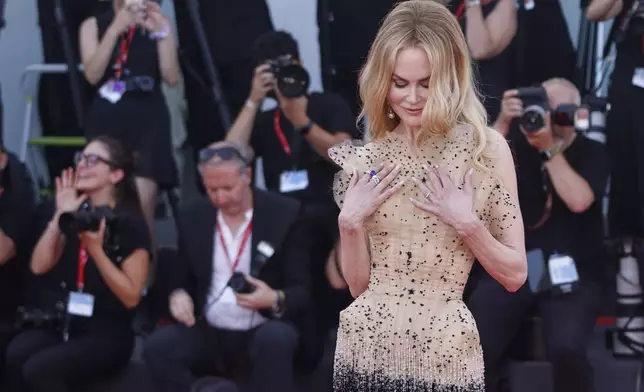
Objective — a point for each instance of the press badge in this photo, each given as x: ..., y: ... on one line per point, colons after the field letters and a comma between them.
x: 638, y: 77
x: 563, y: 273
x: 112, y: 90
x: 80, y: 304
x: 295, y: 180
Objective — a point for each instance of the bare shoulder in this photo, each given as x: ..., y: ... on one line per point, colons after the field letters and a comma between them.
x: 497, y: 151
x: 89, y: 25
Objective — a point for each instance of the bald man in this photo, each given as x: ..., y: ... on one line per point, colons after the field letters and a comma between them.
x: 561, y: 179
x: 244, y: 291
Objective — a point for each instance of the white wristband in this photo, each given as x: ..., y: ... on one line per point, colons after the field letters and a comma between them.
x: 250, y: 104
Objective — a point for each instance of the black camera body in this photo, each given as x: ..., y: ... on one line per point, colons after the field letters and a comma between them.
x: 51, y: 318
x: 71, y: 223
x: 239, y: 284
x: 292, y: 79
x: 535, y: 107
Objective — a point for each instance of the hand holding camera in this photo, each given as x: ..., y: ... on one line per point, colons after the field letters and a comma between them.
x: 511, y: 107
x: 261, y: 297
x: 294, y: 109
x: 67, y: 198
x: 542, y: 139
x: 123, y: 20
x: 263, y: 82
x: 93, y: 240
x: 182, y: 308
x: 152, y: 18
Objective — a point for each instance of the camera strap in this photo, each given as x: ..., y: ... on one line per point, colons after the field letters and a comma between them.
x: 280, y: 134
x: 82, y: 262
x: 247, y: 231
x: 124, y: 52
x: 547, y: 209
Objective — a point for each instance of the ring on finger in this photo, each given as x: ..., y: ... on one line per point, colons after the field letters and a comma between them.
x: 375, y: 179
x: 428, y: 195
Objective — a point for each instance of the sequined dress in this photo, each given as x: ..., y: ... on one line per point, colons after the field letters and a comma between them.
x: 411, y: 331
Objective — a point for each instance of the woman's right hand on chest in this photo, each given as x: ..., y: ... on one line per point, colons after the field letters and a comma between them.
x: 367, y: 191
x: 67, y: 197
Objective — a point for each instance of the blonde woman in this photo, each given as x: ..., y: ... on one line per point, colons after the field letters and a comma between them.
x: 431, y: 192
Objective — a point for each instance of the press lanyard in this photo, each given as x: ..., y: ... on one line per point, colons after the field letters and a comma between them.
x: 249, y: 229
x: 124, y: 52
x: 280, y: 134
x: 82, y: 262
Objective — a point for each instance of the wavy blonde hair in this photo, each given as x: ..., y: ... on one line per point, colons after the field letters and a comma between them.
x: 453, y: 100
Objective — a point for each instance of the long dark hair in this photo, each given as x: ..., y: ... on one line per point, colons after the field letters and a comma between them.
x: 123, y: 158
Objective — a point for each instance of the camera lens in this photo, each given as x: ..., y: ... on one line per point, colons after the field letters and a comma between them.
x: 533, y: 118
x: 293, y: 81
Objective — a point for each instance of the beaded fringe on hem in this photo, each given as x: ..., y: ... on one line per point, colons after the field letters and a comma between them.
x: 348, y: 380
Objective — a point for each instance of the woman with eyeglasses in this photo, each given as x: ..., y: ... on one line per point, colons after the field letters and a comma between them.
x: 103, y: 274
x: 127, y: 53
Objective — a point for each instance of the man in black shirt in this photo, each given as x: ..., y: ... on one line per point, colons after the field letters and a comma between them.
x: 561, y: 183
x: 17, y: 205
x: 293, y: 140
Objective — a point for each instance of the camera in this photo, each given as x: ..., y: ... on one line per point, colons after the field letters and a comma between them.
x: 535, y: 106
x: 39, y: 318
x: 292, y: 79
x: 239, y: 284
x: 85, y: 220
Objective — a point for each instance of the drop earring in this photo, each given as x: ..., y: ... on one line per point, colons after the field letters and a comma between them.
x: 391, y: 114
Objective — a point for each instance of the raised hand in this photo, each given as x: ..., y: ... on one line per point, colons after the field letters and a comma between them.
x: 453, y: 205
x: 67, y: 198
x: 366, y: 192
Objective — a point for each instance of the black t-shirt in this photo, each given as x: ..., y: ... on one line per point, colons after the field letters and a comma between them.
x: 130, y: 232
x: 327, y: 110
x: 577, y: 234
x: 17, y: 205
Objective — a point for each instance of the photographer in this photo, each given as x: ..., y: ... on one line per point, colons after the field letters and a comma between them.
x: 126, y: 52
x: 561, y: 181
x: 104, y: 263
x: 293, y: 140
x: 244, y: 288
x: 489, y: 27
x: 17, y: 204
x: 625, y: 139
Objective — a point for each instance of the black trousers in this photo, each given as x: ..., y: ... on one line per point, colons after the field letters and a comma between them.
x: 568, y: 321
x: 176, y: 355
x: 39, y: 361
x: 7, y: 332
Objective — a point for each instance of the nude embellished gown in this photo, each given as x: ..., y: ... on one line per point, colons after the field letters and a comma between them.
x: 411, y: 331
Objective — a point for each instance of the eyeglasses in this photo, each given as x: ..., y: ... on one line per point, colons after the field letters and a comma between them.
x: 223, y: 153
x: 92, y: 160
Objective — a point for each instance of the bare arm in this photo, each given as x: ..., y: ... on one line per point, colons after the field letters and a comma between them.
x: 573, y: 189
x: 96, y: 56
x: 127, y: 282
x: 321, y: 140
x: 333, y: 269
x: 49, y: 249
x: 604, y: 9
x: 355, y: 257
x: 488, y: 37
x: 503, y: 258
x: 168, y: 58
x: 242, y: 128
x: 7, y: 248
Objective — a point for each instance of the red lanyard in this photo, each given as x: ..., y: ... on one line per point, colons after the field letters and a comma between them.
x: 124, y: 52
x: 280, y: 133
x: 249, y: 229
x: 82, y: 262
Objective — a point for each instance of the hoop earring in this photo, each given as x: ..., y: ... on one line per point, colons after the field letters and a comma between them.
x: 391, y: 114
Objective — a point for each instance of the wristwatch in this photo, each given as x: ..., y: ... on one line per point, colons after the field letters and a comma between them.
x: 278, y: 307
x: 305, y: 129
x: 472, y: 3
x: 548, y: 154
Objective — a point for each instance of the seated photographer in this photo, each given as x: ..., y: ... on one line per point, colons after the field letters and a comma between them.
x: 293, y: 141
x: 17, y: 205
x: 562, y: 178
x: 245, y: 288
x: 102, y: 251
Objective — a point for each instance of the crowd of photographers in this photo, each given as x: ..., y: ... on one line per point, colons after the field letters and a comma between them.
x: 254, y: 288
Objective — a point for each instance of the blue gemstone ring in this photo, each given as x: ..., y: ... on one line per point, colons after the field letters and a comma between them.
x: 372, y: 173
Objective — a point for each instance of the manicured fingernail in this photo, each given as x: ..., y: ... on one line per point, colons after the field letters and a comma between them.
x: 470, y: 171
